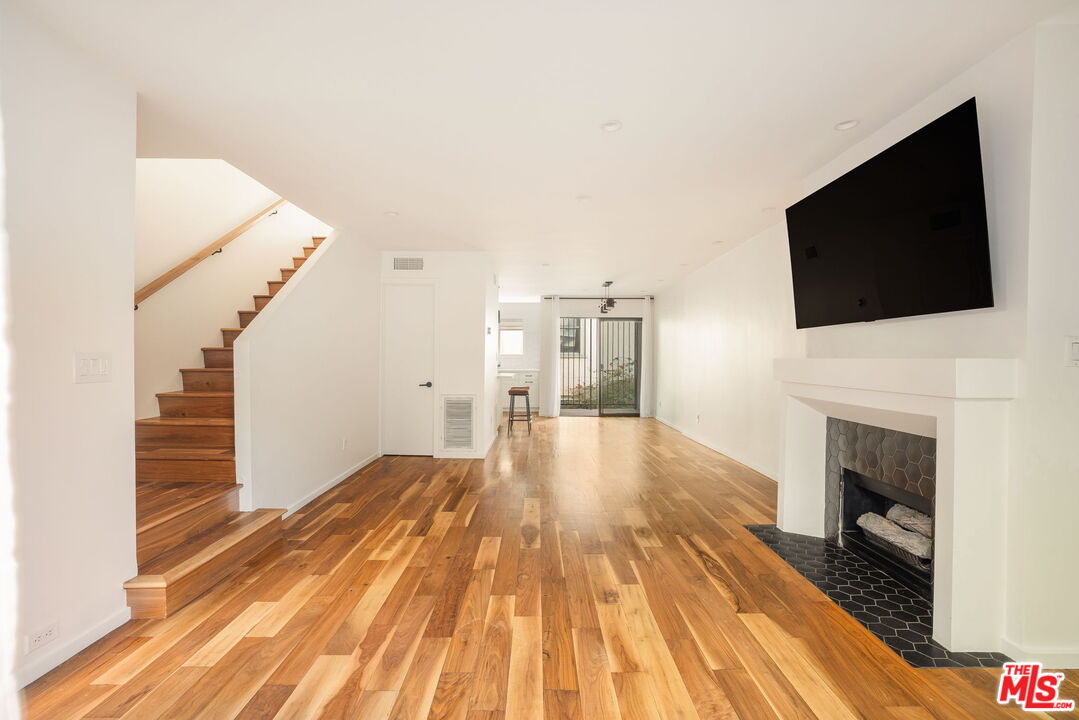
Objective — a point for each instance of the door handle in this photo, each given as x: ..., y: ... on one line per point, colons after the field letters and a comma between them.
x: 426, y: 384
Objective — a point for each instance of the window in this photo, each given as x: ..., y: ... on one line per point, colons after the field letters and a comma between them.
x: 571, y: 336
x: 511, y: 338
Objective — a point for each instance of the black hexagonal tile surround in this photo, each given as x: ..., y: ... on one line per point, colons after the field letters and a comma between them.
x: 901, y: 619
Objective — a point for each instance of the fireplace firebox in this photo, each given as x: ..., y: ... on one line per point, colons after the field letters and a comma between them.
x: 860, y: 495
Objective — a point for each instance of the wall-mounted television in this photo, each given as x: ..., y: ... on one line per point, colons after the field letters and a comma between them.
x: 903, y: 234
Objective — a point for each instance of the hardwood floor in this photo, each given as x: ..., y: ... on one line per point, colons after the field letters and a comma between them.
x: 595, y: 569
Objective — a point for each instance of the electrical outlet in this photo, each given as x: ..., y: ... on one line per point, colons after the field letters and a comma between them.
x: 344, y: 443
x: 40, y: 638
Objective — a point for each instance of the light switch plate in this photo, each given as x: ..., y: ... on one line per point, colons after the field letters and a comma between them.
x: 93, y: 367
x: 1072, y: 350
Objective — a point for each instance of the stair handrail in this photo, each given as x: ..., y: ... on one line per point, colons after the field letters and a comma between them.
x: 212, y: 249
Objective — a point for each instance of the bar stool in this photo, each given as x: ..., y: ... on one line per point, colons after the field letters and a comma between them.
x: 516, y: 392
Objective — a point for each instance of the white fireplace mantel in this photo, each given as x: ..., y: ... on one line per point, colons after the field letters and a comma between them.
x: 958, y: 378
x: 963, y: 403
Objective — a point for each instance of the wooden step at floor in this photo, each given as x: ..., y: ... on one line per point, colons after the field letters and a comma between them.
x: 207, y: 379
x: 298, y: 261
x: 193, y: 432
x: 275, y: 286
x: 262, y: 301
x: 176, y: 577
x: 308, y: 250
x: 186, y: 465
x: 217, y: 357
x: 316, y: 240
x: 195, y: 404
x: 229, y: 335
x: 286, y: 273
x: 170, y: 513
x: 246, y: 316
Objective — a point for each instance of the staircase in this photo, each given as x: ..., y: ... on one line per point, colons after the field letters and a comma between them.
x: 190, y: 533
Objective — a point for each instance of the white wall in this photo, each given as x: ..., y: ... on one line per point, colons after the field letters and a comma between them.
x: 1003, y: 85
x: 466, y: 343
x: 717, y: 332
x: 182, y: 206
x: 1042, y: 531
x: 307, y: 412
x: 9, y: 696
x: 529, y: 315
x: 69, y: 137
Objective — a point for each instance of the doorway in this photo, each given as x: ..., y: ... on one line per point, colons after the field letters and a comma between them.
x: 408, y: 362
x: 600, y: 366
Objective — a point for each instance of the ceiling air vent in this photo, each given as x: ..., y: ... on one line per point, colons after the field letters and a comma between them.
x: 408, y: 263
x: 457, y: 422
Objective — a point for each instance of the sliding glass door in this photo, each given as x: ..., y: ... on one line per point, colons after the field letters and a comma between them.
x: 600, y: 363
x: 619, y: 362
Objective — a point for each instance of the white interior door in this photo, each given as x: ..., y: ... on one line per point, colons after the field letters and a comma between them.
x: 408, y: 364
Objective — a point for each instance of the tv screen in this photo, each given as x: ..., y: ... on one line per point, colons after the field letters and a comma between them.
x: 903, y: 234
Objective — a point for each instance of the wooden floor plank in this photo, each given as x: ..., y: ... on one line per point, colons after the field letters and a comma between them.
x: 524, y: 692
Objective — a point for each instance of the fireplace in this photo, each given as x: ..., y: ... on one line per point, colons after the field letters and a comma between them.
x: 958, y: 409
x: 861, y: 495
x: 869, y: 471
x: 876, y: 556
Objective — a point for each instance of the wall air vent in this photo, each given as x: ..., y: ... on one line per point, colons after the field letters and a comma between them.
x: 408, y: 263
x: 457, y: 422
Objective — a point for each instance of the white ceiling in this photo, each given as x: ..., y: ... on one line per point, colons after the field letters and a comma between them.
x: 478, y: 120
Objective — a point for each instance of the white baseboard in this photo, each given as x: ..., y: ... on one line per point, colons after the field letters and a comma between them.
x: 45, y: 659
x: 329, y: 485
x: 1056, y: 658
x: 722, y: 451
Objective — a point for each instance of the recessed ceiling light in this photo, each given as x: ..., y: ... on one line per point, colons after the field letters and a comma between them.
x: 545, y: 264
x: 391, y: 213
x: 846, y: 125
x: 684, y: 264
x: 717, y: 242
x: 584, y: 198
x: 611, y: 126
x: 659, y: 279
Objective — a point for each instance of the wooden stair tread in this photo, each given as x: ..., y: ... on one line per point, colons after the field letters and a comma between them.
x: 232, y: 329
x: 206, y: 369
x: 183, y: 453
x: 195, y: 393
x: 219, y: 422
x: 219, y: 348
x: 159, y: 502
x: 184, y: 559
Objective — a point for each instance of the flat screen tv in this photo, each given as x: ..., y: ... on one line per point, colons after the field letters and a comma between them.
x: 903, y: 234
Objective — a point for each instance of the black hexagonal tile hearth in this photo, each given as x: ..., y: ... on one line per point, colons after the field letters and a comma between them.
x: 901, y: 619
